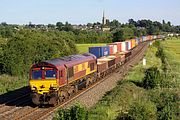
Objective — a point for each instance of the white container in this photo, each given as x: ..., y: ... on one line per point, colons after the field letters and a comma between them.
x: 123, y: 46
x: 129, y: 45
x: 115, y: 49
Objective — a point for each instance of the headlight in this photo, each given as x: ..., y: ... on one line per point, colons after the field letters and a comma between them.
x: 53, y: 86
x: 33, y: 88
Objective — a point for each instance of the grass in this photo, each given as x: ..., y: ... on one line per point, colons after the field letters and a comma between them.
x: 83, y: 48
x: 10, y: 83
x: 116, y: 101
x: 137, y: 72
x: 127, y: 93
x: 172, y: 51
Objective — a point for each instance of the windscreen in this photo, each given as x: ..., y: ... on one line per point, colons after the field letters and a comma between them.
x: 37, y: 74
x: 50, y: 74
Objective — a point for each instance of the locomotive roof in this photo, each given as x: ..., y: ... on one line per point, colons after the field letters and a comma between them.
x: 71, y: 60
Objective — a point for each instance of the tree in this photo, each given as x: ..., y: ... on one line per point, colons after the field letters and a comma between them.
x: 68, y: 27
x: 28, y: 47
x: 114, y: 24
x: 132, y: 22
x: 152, y: 78
x: 123, y: 34
x: 52, y: 26
x: 59, y: 25
x: 117, y: 36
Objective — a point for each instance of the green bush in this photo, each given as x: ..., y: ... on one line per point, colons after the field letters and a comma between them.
x: 166, y: 103
x: 160, y: 54
x: 76, y: 112
x: 140, y: 110
x: 152, y: 78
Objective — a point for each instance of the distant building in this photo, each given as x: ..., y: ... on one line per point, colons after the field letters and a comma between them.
x: 105, y: 23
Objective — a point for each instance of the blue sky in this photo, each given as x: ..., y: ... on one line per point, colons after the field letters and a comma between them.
x: 84, y: 11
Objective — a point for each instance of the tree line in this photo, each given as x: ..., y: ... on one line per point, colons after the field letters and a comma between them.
x: 139, y: 28
x: 22, y: 46
x: 26, y: 47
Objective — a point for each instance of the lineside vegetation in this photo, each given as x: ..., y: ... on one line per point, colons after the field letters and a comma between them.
x: 147, y: 92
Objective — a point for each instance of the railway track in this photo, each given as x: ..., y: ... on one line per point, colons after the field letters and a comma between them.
x: 36, y: 113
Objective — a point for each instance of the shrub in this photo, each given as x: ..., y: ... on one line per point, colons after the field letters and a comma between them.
x: 166, y: 103
x: 152, y: 78
x: 76, y: 112
x: 160, y: 54
x: 140, y: 110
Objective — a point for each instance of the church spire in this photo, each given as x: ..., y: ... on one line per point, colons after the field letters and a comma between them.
x: 103, y: 14
x: 104, y: 18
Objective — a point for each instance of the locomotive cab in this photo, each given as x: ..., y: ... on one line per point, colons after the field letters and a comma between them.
x: 44, y: 81
x: 45, y: 74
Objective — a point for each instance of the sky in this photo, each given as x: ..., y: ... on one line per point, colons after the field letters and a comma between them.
x: 85, y: 11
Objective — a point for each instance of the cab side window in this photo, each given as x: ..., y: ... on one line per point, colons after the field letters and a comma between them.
x: 60, y: 74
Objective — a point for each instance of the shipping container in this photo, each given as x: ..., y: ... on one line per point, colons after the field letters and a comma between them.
x: 123, y: 46
x: 99, y: 51
x: 118, y: 46
x: 154, y: 37
x: 128, y: 45
x: 111, y: 49
x: 144, y: 38
x: 127, y: 48
x: 133, y: 43
x: 141, y: 39
x: 115, y: 48
x: 149, y: 37
x: 137, y: 41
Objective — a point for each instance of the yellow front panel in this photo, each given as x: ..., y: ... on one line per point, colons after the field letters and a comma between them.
x: 39, y: 83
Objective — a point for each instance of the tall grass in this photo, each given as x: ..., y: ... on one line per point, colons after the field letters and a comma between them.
x: 9, y: 83
x: 128, y: 95
x: 172, y: 51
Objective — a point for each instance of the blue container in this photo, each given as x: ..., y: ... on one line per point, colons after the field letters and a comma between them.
x: 144, y: 38
x: 127, y: 46
x: 99, y: 51
x: 137, y: 41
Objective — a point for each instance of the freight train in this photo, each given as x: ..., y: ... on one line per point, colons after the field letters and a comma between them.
x: 56, y: 80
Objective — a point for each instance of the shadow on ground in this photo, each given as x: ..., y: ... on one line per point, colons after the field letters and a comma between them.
x: 19, y: 97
